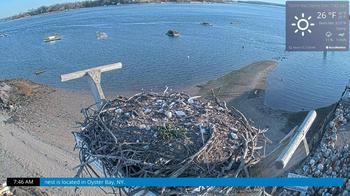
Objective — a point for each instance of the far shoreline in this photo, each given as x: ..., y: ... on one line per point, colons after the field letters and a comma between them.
x: 28, y: 14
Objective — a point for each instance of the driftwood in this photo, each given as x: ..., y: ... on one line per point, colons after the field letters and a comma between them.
x: 169, y: 135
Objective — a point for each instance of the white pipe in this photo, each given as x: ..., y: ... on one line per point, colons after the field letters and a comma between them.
x: 299, y: 136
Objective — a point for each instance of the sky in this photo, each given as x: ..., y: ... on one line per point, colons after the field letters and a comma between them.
x: 12, y: 7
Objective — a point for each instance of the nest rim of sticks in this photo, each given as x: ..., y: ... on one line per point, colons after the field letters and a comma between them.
x: 210, y: 140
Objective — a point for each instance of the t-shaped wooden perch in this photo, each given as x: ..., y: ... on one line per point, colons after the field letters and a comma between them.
x: 94, y: 79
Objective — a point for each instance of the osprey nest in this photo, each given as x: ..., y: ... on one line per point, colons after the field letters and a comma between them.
x: 169, y: 135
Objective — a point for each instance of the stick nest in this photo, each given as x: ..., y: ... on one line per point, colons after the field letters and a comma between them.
x: 169, y: 135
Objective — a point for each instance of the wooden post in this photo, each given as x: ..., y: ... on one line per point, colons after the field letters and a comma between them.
x: 94, y: 79
x: 345, y: 97
x: 95, y: 85
x: 299, y: 136
x: 324, y: 54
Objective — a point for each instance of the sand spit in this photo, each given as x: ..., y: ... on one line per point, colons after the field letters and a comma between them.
x: 35, y: 134
x: 36, y: 122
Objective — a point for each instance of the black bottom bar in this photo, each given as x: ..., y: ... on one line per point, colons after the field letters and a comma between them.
x: 23, y: 182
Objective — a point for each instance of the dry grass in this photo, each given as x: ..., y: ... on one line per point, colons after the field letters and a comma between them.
x: 25, y: 87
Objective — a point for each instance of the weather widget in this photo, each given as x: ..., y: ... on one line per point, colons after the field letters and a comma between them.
x: 317, y: 25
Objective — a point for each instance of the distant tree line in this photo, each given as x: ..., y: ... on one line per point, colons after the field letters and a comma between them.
x: 69, y: 6
x: 97, y: 3
x: 93, y: 3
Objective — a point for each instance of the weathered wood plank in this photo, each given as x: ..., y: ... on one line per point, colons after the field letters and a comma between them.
x: 94, y: 79
x: 299, y: 136
x: 82, y: 73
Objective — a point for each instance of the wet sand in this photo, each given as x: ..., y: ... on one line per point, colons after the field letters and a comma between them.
x: 36, y: 140
x: 245, y: 90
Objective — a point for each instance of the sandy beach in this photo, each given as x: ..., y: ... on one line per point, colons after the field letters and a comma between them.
x: 36, y: 139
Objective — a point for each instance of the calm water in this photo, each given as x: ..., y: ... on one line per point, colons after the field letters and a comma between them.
x: 152, y: 60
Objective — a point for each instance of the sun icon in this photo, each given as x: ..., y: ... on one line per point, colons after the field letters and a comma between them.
x: 303, y: 24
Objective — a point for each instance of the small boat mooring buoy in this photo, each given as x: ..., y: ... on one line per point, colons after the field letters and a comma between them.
x: 52, y: 38
x: 173, y: 33
x: 206, y: 24
x: 101, y: 35
x: 39, y: 72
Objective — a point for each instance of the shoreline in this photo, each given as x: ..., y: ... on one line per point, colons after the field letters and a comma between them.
x: 41, y: 127
x: 244, y: 89
x: 26, y: 13
x: 36, y: 138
